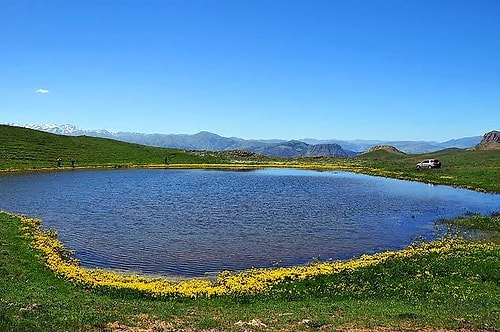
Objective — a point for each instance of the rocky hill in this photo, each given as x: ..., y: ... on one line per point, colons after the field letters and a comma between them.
x: 290, y: 149
x: 388, y: 148
x: 325, y: 150
x: 297, y: 149
x: 490, y: 141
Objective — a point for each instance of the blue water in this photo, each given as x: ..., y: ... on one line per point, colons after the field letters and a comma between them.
x: 193, y: 222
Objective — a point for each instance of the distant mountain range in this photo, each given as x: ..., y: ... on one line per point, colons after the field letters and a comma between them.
x: 275, y: 148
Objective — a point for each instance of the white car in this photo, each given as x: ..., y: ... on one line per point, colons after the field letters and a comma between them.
x: 429, y: 163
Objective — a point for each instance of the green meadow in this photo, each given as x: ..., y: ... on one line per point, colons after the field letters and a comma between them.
x: 24, y: 149
x: 457, y: 289
x: 450, y: 287
x: 472, y: 169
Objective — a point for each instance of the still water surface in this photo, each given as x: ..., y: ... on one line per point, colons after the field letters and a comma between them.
x: 192, y: 222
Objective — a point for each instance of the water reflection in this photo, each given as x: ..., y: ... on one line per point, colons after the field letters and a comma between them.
x: 191, y: 222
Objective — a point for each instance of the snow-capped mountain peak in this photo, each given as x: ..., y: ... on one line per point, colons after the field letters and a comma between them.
x: 65, y: 129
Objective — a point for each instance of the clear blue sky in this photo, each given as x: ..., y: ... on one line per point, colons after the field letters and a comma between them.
x: 370, y: 69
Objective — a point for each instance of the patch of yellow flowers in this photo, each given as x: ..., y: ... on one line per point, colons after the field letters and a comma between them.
x: 249, y: 282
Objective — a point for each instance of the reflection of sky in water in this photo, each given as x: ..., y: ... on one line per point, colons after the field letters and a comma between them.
x: 188, y: 222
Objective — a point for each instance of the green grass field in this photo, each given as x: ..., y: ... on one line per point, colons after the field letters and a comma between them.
x: 26, y: 149
x: 455, y: 287
x: 472, y: 169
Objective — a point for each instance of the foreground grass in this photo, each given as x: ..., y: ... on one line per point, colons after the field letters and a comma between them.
x: 451, y: 289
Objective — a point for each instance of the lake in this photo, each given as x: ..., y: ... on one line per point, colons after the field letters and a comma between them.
x: 197, y: 222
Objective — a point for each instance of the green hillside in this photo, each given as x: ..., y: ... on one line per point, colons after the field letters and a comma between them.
x: 23, y: 149
x: 474, y: 169
x: 27, y: 149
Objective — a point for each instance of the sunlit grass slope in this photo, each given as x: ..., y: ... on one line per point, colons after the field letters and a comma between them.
x: 473, y: 169
x: 452, y: 284
x: 25, y: 149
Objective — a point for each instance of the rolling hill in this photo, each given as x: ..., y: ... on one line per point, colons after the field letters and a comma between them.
x: 22, y: 148
x: 212, y: 142
x: 27, y: 149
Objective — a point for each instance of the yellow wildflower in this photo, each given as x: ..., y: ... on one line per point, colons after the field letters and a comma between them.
x: 249, y: 282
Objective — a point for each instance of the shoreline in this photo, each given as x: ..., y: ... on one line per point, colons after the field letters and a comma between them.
x: 408, y: 291
x: 248, y: 166
x: 253, y: 281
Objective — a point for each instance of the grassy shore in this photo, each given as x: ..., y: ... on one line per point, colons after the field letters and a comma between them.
x: 448, y: 285
x: 471, y: 169
x: 451, y: 284
x: 24, y: 149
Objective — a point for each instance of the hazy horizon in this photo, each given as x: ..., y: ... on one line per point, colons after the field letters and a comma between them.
x: 49, y: 126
